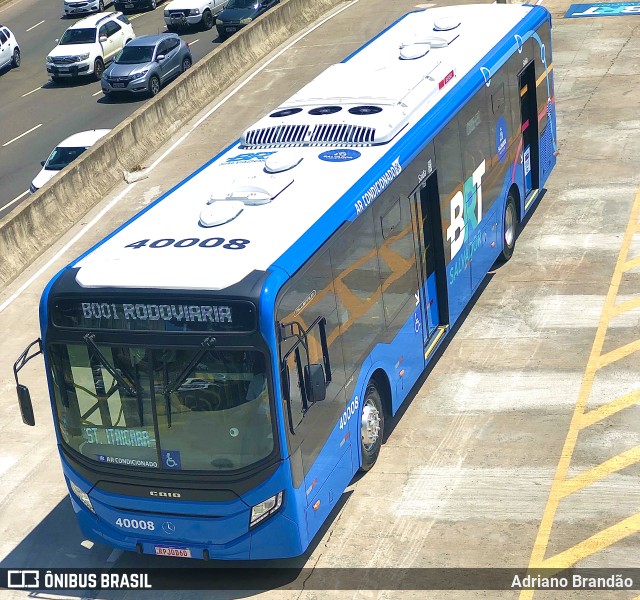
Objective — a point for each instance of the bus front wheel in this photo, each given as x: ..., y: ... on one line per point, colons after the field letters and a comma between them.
x: 509, y: 229
x: 371, y: 426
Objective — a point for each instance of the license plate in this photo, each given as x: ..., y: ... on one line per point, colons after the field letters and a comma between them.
x: 63, y: 69
x: 169, y: 551
x: 229, y: 29
x: 128, y: 5
x: 119, y: 85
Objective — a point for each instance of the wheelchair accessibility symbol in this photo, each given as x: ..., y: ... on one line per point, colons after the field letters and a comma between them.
x: 416, y: 322
x: 171, y: 459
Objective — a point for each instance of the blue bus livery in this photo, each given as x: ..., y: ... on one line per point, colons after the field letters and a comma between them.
x: 222, y: 364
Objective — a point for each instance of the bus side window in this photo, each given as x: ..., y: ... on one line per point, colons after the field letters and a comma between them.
x: 397, y: 257
x: 497, y: 100
x: 545, y: 89
x: 448, y: 155
x: 309, y: 297
x: 474, y: 132
x: 354, y: 261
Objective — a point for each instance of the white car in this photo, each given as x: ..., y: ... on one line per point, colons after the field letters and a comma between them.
x: 9, y: 49
x: 88, y: 45
x: 64, y: 153
x: 180, y: 14
x: 77, y: 7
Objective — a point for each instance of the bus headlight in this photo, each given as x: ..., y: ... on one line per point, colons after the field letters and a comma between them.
x: 265, y: 509
x: 82, y: 496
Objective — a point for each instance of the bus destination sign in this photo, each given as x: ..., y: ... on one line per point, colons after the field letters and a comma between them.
x: 188, y: 317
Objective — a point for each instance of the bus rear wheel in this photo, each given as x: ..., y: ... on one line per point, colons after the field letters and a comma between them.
x: 371, y: 427
x: 509, y: 229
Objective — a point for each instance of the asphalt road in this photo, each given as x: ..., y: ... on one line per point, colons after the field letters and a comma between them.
x: 30, y: 101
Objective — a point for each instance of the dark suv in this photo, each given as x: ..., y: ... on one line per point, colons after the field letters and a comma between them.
x: 240, y: 13
x: 136, y: 5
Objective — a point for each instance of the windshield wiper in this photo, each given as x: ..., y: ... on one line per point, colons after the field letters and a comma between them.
x: 177, y: 382
x: 107, y: 365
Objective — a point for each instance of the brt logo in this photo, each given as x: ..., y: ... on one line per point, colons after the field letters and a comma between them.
x: 609, y: 9
x: 248, y: 157
x: 466, y: 210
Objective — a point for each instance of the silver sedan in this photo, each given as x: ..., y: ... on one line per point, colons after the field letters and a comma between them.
x: 146, y: 64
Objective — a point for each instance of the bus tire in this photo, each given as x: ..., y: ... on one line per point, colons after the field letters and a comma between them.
x: 509, y: 229
x: 371, y: 427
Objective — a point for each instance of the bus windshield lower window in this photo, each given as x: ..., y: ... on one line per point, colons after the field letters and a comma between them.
x: 182, y: 409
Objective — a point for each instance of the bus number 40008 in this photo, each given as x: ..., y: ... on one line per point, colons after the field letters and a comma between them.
x: 349, y: 412
x: 213, y: 242
x: 135, y: 524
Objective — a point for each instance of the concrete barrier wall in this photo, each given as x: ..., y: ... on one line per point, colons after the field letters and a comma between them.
x: 49, y: 213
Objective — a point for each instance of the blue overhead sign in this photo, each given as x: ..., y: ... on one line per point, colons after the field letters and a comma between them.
x: 609, y: 9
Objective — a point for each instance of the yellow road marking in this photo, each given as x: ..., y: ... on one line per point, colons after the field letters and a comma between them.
x: 606, y: 410
x: 628, y: 526
x: 617, y: 463
x: 623, y: 307
x: 632, y: 264
x: 601, y: 540
x: 618, y: 353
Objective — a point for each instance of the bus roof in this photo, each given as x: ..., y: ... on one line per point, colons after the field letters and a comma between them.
x: 301, y: 169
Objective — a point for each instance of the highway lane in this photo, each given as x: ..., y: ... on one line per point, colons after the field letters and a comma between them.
x: 30, y: 102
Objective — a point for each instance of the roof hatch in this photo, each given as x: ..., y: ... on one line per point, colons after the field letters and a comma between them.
x: 253, y: 191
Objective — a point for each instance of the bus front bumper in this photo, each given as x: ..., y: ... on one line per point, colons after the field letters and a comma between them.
x: 224, y: 537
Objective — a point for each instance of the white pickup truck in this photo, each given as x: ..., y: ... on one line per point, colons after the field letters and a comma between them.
x: 180, y: 14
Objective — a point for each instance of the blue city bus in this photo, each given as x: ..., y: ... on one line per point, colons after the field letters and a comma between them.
x: 222, y: 364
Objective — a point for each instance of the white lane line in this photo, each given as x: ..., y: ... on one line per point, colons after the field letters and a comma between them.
x: 14, y: 200
x: 32, y: 91
x: 100, y: 92
x: 194, y: 42
x: 21, y: 135
x: 34, y: 26
x: 89, y: 226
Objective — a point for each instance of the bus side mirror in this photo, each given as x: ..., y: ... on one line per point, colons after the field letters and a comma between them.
x: 316, y: 383
x: 26, y: 407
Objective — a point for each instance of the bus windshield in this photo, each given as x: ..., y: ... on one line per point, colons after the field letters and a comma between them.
x: 185, y: 409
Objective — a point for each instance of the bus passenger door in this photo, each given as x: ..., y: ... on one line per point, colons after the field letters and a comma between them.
x: 529, y: 125
x: 425, y: 208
